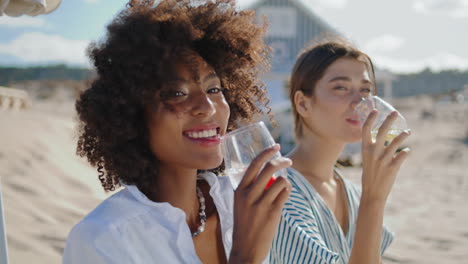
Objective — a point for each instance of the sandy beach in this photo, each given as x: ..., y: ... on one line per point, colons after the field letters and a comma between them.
x: 47, y: 188
x: 428, y: 208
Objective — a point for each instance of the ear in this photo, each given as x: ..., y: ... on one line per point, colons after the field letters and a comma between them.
x: 302, y: 103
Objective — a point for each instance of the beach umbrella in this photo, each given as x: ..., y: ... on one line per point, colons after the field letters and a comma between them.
x: 16, y: 8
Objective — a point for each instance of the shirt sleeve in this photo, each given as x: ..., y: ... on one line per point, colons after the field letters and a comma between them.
x: 88, y: 244
x: 80, y: 249
x: 298, y: 240
x: 387, y: 239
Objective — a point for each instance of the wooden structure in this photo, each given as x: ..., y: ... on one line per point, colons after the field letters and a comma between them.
x: 292, y: 25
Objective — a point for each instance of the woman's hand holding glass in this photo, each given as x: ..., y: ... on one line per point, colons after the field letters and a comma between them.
x: 380, y: 161
x: 257, y: 210
x: 384, y: 109
x: 253, y: 162
x: 241, y: 146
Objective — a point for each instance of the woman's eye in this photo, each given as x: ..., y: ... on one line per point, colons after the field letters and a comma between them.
x: 366, y: 90
x: 341, y: 88
x: 175, y: 94
x: 215, y: 90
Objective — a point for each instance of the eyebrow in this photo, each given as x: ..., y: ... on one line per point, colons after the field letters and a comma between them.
x: 212, y: 75
x: 344, y: 78
x: 177, y: 80
x: 208, y: 77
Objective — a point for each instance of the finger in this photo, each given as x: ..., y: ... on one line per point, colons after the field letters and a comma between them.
x: 257, y: 164
x: 366, y: 128
x: 400, y: 157
x: 267, y: 172
x: 385, y: 127
x: 270, y: 182
x: 281, y: 198
x: 396, y: 143
x: 270, y: 195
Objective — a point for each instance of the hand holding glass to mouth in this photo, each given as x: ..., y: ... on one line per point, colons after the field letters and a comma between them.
x: 242, y: 146
x: 383, y: 133
x: 253, y: 164
x: 364, y: 108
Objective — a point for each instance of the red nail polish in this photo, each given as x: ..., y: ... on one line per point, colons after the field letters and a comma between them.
x: 270, y: 182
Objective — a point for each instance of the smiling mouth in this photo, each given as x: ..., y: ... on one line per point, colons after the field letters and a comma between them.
x: 212, y: 133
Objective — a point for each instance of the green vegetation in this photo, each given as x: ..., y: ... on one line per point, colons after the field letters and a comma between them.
x: 429, y: 82
x: 10, y: 75
x: 424, y: 82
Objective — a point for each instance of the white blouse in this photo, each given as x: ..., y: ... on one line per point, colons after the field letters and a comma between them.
x: 129, y: 228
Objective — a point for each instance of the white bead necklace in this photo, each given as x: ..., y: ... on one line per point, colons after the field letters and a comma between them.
x: 202, y: 213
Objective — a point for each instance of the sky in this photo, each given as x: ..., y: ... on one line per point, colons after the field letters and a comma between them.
x: 400, y: 35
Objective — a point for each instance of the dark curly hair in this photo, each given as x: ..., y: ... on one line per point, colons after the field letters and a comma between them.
x: 133, y: 65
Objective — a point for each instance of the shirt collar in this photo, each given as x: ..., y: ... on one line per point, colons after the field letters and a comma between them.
x: 210, y: 177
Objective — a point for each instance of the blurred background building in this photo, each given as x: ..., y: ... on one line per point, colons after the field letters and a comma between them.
x: 293, y: 26
x: 419, y: 47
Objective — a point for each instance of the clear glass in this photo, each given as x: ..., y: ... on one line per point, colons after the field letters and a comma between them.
x: 241, y: 146
x: 367, y: 104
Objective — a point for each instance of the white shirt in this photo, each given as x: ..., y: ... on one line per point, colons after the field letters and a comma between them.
x: 310, y: 233
x: 129, y: 228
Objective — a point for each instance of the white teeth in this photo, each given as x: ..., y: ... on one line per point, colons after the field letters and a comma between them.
x: 203, y: 134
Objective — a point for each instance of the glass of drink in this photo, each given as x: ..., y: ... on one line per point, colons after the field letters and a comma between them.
x: 241, y: 146
x: 367, y: 104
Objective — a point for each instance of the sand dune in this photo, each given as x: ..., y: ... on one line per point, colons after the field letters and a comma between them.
x: 428, y: 208
x: 47, y: 189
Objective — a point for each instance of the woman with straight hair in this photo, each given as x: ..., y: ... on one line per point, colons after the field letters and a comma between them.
x: 327, y: 219
x: 172, y: 78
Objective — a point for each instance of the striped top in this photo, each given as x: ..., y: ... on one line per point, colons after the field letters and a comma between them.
x: 309, y: 232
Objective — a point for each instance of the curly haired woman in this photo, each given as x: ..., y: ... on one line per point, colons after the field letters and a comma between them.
x: 172, y: 79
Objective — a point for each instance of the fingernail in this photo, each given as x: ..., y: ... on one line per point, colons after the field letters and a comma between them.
x: 408, y: 131
x: 270, y: 182
x: 283, y: 159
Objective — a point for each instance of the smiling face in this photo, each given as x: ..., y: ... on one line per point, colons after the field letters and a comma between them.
x: 329, y: 110
x: 185, y: 131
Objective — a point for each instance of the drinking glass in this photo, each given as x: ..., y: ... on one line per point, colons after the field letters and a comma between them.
x: 367, y: 104
x: 241, y: 146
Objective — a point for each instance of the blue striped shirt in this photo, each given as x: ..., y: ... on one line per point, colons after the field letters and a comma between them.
x: 309, y: 232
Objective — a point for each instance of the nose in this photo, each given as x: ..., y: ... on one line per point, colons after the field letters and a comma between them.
x: 202, y: 106
x: 356, y: 99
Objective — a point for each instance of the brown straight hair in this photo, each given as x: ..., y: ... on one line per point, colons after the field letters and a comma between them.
x: 311, y: 65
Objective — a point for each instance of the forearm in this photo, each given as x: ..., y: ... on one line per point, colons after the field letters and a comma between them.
x: 368, y: 236
x: 236, y: 258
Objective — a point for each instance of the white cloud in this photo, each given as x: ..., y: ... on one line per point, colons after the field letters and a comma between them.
x: 312, y: 4
x: 384, y: 43
x: 22, y: 21
x: 453, y: 8
x: 331, y: 3
x: 437, y: 62
x: 36, y: 47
